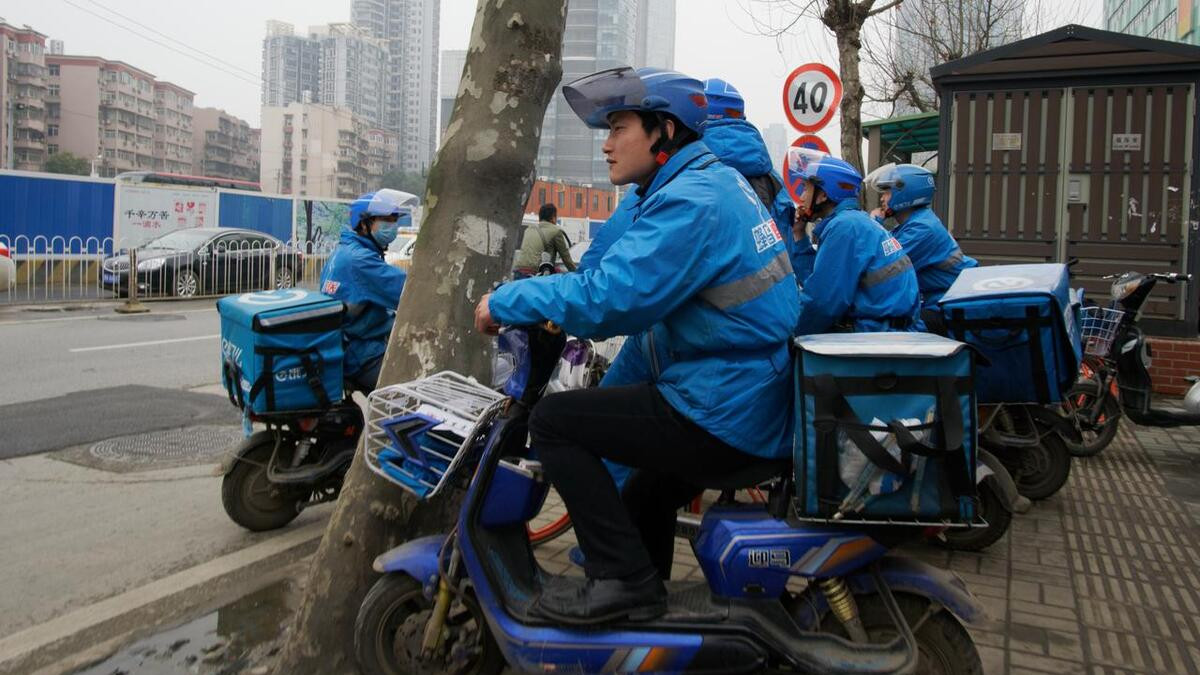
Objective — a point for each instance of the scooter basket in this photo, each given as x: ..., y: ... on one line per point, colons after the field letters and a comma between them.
x: 418, y: 431
x: 885, y: 429
x: 1098, y: 329
x: 1024, y: 321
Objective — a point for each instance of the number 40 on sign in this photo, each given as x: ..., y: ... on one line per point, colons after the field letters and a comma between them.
x: 811, y: 95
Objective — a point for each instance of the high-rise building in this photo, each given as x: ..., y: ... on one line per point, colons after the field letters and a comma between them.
x: 453, y: 61
x: 655, y: 34
x: 353, y: 70
x: 599, y: 34
x: 23, y: 91
x: 291, y: 65
x: 173, y: 128
x: 410, y: 30
x: 225, y: 146
x: 103, y: 109
x: 1174, y: 20
x: 320, y: 150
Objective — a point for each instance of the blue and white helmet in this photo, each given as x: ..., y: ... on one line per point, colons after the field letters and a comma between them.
x: 837, y: 178
x: 724, y: 100
x: 381, y: 203
x: 911, y: 185
x: 594, y: 97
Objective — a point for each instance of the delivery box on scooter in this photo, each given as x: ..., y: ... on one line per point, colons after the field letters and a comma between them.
x: 281, y: 350
x: 885, y: 429
x: 1025, y: 321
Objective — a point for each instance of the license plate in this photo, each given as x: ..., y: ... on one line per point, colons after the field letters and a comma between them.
x: 110, y: 278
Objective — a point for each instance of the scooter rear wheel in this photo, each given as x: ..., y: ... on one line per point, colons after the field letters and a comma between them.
x: 554, y: 530
x: 252, y: 500
x: 391, y: 623
x: 944, y: 646
x: 978, y: 538
x: 1041, y: 470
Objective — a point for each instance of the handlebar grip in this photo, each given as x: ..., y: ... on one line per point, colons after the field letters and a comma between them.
x: 551, y: 328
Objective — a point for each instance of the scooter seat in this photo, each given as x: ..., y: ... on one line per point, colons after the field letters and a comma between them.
x: 753, y: 473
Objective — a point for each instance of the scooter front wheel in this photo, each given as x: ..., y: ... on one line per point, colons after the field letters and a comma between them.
x: 251, y: 499
x: 1098, y: 436
x: 391, y: 626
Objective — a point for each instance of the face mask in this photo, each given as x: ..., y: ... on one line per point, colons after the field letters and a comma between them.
x: 386, y: 233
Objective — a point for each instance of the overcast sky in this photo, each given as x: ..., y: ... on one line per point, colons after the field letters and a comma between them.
x: 714, y: 38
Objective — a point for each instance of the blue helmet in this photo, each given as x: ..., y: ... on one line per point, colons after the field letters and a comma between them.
x: 837, y: 178
x: 911, y: 185
x: 381, y: 203
x: 724, y: 100
x: 594, y: 97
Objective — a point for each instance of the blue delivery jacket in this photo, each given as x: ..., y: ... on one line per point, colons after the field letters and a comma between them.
x: 861, y: 277
x: 704, y: 272
x: 738, y: 144
x: 935, y: 255
x: 610, y: 231
x: 370, y: 288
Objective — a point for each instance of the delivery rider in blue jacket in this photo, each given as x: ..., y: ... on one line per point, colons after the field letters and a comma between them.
x: 703, y: 272
x: 370, y: 288
x: 861, y: 280
x: 905, y: 194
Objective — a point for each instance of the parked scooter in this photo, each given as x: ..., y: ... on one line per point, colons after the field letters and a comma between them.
x: 460, y: 602
x: 1128, y: 362
x: 298, y: 461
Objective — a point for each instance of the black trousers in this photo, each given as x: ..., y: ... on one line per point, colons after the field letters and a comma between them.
x: 635, y: 426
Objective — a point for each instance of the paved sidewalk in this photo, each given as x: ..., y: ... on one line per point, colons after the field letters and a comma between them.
x: 1101, y: 579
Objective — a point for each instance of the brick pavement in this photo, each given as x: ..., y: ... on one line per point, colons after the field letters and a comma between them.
x: 1101, y: 579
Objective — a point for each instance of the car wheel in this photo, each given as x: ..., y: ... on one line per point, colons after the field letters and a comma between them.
x: 283, y: 278
x: 187, y: 284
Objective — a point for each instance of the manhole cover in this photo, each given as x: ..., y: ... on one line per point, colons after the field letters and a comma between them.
x: 173, y: 447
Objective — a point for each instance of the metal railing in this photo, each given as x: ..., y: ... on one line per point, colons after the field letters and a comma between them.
x: 59, y: 269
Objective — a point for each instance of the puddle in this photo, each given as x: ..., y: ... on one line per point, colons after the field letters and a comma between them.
x: 229, y: 640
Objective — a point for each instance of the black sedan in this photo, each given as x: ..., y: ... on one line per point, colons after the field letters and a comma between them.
x: 205, y: 261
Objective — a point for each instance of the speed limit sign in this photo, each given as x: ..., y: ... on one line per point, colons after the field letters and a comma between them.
x: 810, y: 96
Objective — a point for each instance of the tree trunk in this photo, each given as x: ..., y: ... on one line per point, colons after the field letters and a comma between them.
x: 845, y: 18
x: 474, y: 201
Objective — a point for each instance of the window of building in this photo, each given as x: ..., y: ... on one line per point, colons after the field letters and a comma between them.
x: 51, y: 149
x: 610, y: 202
x: 51, y: 129
x: 561, y: 200
x: 541, y: 196
x: 54, y: 70
x: 595, y: 202
x: 579, y: 200
x: 53, y: 90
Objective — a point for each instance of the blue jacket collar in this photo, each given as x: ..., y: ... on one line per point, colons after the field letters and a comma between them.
x: 847, y: 205
x: 739, y: 145
x: 677, y: 163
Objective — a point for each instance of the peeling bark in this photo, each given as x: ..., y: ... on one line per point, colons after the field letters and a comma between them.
x: 476, y: 194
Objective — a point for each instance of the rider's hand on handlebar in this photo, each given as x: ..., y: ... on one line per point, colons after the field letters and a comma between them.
x: 484, y: 323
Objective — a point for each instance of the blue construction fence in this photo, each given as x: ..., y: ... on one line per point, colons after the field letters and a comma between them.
x: 45, y: 207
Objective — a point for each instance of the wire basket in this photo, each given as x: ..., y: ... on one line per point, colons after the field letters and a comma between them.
x: 1098, y: 329
x: 417, y: 432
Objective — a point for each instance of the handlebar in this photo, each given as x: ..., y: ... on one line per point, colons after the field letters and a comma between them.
x: 1171, y: 278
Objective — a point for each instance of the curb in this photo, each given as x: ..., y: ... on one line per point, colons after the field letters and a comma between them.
x: 155, y: 603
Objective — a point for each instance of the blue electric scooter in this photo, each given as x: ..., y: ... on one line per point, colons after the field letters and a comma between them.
x: 778, y: 594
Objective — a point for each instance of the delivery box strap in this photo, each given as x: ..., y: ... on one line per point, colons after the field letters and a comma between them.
x: 1032, y: 325
x: 833, y: 412
x: 266, y: 379
x: 231, y: 376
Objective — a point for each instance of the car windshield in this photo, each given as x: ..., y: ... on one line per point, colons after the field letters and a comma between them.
x: 179, y: 240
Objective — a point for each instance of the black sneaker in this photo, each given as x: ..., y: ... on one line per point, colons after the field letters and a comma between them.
x: 603, y: 600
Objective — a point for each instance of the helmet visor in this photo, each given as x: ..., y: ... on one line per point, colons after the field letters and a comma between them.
x: 388, y: 202
x: 882, y: 178
x: 594, y: 97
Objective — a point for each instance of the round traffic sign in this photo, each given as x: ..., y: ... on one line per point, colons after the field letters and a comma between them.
x: 811, y: 95
x: 806, y: 141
